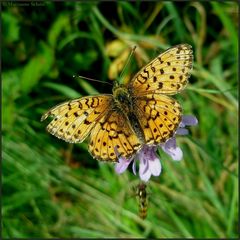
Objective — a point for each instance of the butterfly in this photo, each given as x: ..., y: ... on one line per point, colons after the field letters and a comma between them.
x: 137, y: 113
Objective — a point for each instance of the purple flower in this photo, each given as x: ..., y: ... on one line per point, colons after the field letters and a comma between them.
x: 149, y: 161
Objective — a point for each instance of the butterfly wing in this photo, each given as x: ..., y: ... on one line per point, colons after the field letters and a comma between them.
x: 166, y: 74
x: 159, y: 117
x: 113, y: 137
x: 74, y: 120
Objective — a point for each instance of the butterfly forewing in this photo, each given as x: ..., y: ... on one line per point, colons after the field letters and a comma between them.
x: 73, y: 120
x: 166, y: 74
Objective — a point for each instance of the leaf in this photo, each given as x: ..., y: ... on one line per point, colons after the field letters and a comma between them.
x: 36, y: 68
x: 61, y: 23
x: 10, y: 28
x: 10, y: 92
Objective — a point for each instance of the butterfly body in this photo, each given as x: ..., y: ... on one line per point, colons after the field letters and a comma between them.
x: 125, y: 103
x: 123, y: 99
x: 140, y: 112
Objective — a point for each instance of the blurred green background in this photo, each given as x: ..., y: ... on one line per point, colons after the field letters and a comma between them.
x: 54, y: 189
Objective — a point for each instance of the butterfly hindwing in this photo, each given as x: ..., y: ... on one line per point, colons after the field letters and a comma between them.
x: 113, y: 137
x: 159, y: 117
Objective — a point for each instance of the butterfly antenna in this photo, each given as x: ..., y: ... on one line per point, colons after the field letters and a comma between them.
x: 93, y: 80
x: 126, y: 64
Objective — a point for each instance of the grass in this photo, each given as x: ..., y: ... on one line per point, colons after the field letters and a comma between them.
x: 52, y: 189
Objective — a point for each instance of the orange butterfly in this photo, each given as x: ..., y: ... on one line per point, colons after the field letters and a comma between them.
x: 138, y: 113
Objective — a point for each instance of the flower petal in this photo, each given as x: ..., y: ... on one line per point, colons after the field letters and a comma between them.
x: 155, y: 167
x: 171, y: 143
x: 134, y: 167
x: 176, y: 154
x: 122, y: 165
x: 182, y: 131
x: 149, y: 163
x: 188, y: 120
x: 144, y: 173
x: 170, y: 147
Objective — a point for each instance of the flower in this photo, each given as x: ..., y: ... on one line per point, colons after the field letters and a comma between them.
x: 149, y: 161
